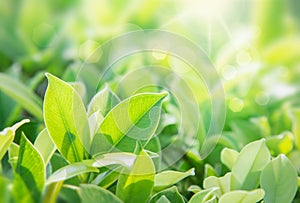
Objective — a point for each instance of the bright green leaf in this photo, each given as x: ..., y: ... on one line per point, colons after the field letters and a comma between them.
x: 13, y: 155
x: 248, y: 166
x: 134, y: 118
x: 279, y: 180
x: 163, y: 199
x: 168, y: 178
x: 70, y: 171
x: 103, y: 101
x: 205, y: 196
x: 228, y: 157
x: 66, y: 119
x: 95, y: 194
x: 242, y: 196
x: 7, y: 137
x: 136, y: 185
x: 30, y: 173
x: 45, y: 145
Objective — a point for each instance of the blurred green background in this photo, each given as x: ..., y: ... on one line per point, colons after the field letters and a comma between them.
x: 254, y: 45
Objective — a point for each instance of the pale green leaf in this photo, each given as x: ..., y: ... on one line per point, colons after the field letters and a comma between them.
x: 279, y: 180
x: 168, y: 178
x: 136, y: 185
x: 121, y: 158
x: 163, y: 199
x: 7, y: 137
x: 171, y: 194
x: 248, y: 166
x: 194, y: 188
x: 228, y: 157
x: 209, y: 171
x: 95, y: 194
x: 13, y: 155
x: 223, y: 183
x: 29, y: 174
x: 242, y: 196
x: 103, y: 101
x: 22, y: 95
x: 134, y: 118
x: 66, y: 119
x: 70, y: 171
x: 45, y: 145
x: 205, y: 196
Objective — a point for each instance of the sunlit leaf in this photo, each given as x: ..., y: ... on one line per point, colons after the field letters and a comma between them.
x: 228, y: 157
x: 171, y: 194
x: 242, y: 196
x: 248, y: 166
x: 279, y: 180
x: 7, y: 137
x: 205, y: 196
x: 29, y: 174
x: 136, y: 185
x: 223, y: 183
x: 66, y: 119
x: 45, y: 145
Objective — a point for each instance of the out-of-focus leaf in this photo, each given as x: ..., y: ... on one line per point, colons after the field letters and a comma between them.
x: 45, y: 145
x: 29, y: 174
x: 22, y: 95
x: 134, y: 118
x: 70, y: 171
x: 13, y: 155
x: 242, y: 196
x: 95, y: 194
x: 280, y: 144
x: 136, y: 185
x: 209, y: 171
x: 163, y: 199
x: 107, y: 178
x: 194, y: 188
x: 5, y: 193
x: 122, y: 158
x: 279, y: 180
x: 66, y: 119
x: 296, y: 126
x: 228, y: 157
x: 248, y: 166
x: 168, y: 178
x: 7, y: 136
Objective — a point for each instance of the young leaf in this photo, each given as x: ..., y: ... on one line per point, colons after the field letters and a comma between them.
x: 30, y: 173
x: 194, y: 189
x: 136, y: 118
x: 45, y: 145
x: 70, y: 171
x: 168, y: 178
x: 136, y: 185
x: 7, y: 136
x: 171, y: 194
x: 66, y: 119
x: 228, y: 157
x: 248, y: 166
x: 121, y: 158
x: 205, y: 196
x: 242, y: 196
x: 163, y: 199
x: 279, y: 180
x: 103, y: 101
x: 223, y: 183
x: 95, y: 194
x: 209, y: 171
x: 22, y: 95
x: 13, y: 155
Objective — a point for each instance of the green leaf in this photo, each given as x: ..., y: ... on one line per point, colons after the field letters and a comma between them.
x: 30, y: 173
x: 66, y: 119
x: 70, y: 171
x: 209, y: 171
x: 296, y: 126
x: 107, y: 178
x: 223, y: 183
x: 279, y: 180
x: 7, y: 136
x: 136, y: 185
x: 134, y: 118
x: 168, y: 178
x: 103, y: 101
x: 228, y: 157
x: 248, y: 166
x: 95, y: 194
x: 280, y: 144
x: 205, y: 196
x: 242, y: 196
x: 22, y: 95
x: 14, y: 150
x: 163, y: 199
x: 5, y: 193
x: 45, y: 145
x: 194, y: 189
x: 121, y: 158
x: 171, y: 194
